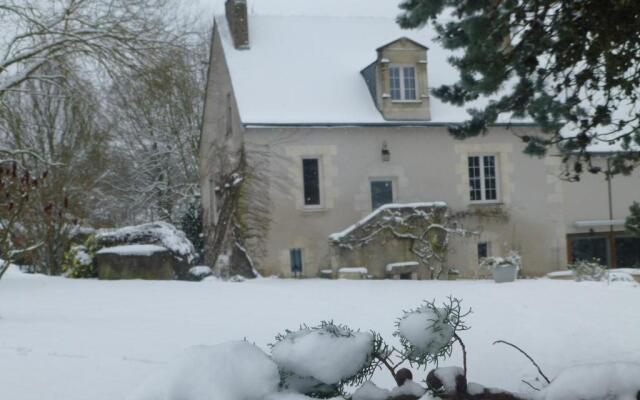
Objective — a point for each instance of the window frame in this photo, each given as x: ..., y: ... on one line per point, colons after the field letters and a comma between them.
x: 382, y: 179
x: 487, y: 245
x: 320, y: 205
x: 296, y: 252
x: 403, y: 90
x: 483, y: 189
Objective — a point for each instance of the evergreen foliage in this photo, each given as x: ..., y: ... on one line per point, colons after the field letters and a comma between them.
x: 78, y: 261
x: 191, y: 224
x: 566, y: 65
x: 633, y: 220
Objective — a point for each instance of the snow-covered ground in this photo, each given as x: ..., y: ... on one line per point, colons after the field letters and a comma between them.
x: 94, y: 340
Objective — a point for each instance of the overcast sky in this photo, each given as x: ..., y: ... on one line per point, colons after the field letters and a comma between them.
x: 363, y: 8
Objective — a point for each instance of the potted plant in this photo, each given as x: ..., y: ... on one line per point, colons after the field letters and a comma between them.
x: 503, y: 269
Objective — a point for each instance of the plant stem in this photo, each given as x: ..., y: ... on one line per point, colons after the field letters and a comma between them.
x: 464, y: 353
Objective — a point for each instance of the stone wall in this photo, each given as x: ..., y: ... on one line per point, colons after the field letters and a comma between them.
x: 394, y: 233
x: 161, y: 265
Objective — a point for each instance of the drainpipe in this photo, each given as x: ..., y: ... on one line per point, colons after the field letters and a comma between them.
x: 612, y: 242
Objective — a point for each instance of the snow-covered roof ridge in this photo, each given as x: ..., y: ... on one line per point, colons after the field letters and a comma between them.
x: 391, y: 206
x: 306, y: 70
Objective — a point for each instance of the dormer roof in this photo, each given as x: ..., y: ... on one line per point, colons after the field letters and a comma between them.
x: 404, y: 38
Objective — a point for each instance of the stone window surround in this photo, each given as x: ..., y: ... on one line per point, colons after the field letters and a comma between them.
x: 503, y: 152
x: 497, y: 178
x: 327, y: 175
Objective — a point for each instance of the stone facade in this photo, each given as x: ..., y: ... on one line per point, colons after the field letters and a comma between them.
x: 535, y: 212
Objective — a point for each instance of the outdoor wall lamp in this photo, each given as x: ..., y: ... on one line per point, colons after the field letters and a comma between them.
x: 386, y: 154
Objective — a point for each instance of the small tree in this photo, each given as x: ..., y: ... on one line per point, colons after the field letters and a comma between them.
x: 18, y: 194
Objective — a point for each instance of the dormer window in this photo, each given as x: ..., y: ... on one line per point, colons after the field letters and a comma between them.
x: 398, y: 81
x: 402, y: 79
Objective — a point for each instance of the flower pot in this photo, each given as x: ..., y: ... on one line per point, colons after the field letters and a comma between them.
x: 506, y: 273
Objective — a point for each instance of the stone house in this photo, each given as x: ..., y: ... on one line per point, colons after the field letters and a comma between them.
x: 326, y: 119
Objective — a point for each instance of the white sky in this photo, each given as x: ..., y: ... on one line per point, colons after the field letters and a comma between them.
x: 336, y: 8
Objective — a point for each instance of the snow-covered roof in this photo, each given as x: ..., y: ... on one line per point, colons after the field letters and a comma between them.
x: 306, y: 70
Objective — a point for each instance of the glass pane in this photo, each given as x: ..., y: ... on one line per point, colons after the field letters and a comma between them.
x: 311, y: 177
x: 394, y: 80
x: 628, y: 252
x: 381, y: 193
x: 296, y: 260
x: 409, y: 83
x: 590, y: 249
x: 490, y: 186
x: 475, y: 191
x: 483, y: 250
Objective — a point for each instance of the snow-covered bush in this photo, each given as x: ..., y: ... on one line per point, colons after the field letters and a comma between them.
x: 78, y: 260
x: 428, y: 332
x: 322, y: 359
x: 588, y: 271
x: 199, y: 272
x: 158, y: 233
x: 512, y: 259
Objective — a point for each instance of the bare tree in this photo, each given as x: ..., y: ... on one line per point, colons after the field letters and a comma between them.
x: 64, y: 125
x: 110, y: 34
x: 156, y: 115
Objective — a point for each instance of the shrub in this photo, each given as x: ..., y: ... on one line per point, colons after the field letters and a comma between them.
x: 588, y: 271
x: 78, y: 261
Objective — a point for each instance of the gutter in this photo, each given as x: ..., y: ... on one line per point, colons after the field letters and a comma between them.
x: 408, y: 124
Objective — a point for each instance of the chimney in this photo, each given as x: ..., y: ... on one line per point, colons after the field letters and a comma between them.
x: 238, y: 20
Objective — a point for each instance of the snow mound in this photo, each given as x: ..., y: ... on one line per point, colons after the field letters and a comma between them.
x: 409, y: 388
x: 201, y: 271
x: 158, y: 233
x: 228, y: 371
x: 619, y: 276
x: 606, y: 381
x: 133, y: 250
x: 427, y: 331
x: 447, y: 376
x: 329, y: 357
x: 369, y: 391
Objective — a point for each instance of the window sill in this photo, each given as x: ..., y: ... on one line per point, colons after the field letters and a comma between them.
x: 407, y: 101
x: 313, y: 209
x: 486, y: 203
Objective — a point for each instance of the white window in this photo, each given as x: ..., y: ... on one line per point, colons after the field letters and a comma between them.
x: 483, y: 178
x: 402, y: 80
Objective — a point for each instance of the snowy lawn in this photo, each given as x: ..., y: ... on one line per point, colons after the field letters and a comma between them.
x: 95, y: 340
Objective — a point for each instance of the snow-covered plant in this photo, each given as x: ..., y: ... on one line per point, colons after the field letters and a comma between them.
x: 588, y: 271
x: 427, y: 333
x: 320, y: 360
x: 513, y: 259
x: 78, y: 260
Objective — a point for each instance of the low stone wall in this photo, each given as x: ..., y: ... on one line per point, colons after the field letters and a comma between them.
x: 159, y: 265
x: 393, y: 234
